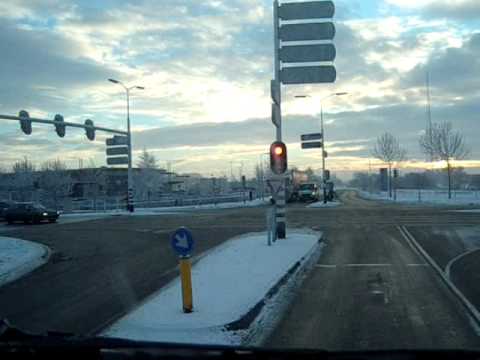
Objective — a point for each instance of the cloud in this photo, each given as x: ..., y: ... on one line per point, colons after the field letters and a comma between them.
x: 449, y: 9
x: 39, y: 67
x: 454, y: 72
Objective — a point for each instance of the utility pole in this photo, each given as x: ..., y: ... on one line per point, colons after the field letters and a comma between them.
x: 130, y: 206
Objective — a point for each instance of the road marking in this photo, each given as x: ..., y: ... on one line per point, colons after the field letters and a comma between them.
x: 456, y: 258
x: 366, y: 265
x: 326, y: 266
x: 422, y: 264
x: 475, y: 314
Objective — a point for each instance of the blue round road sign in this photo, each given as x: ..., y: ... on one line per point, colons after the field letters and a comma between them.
x: 182, y: 241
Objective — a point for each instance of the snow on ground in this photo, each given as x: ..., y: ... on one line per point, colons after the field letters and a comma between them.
x: 320, y: 204
x: 227, y: 283
x: 426, y: 196
x: 19, y: 257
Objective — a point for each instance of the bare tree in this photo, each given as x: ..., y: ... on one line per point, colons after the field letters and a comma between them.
x: 55, y: 180
x: 445, y: 144
x: 23, y: 179
x: 388, y: 149
x: 147, y: 160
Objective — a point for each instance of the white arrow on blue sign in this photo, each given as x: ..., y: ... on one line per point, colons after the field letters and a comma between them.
x: 182, y: 241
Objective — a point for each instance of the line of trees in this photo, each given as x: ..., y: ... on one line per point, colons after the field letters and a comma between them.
x: 438, y: 142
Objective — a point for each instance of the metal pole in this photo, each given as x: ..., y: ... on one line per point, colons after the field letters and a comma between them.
x: 323, y: 156
x: 276, y: 25
x: 130, y: 206
x: 281, y: 228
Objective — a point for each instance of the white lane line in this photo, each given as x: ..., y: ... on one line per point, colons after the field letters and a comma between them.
x: 456, y: 258
x: 325, y: 266
x: 467, y: 304
x: 366, y: 265
x: 422, y: 264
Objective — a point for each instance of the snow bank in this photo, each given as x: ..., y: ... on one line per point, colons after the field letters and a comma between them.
x: 168, y: 210
x: 426, y: 196
x: 227, y: 283
x: 19, y: 257
x: 320, y: 204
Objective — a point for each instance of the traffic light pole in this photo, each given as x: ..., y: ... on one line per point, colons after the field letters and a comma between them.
x: 130, y: 206
x: 280, y: 197
x: 67, y: 124
x: 323, y: 156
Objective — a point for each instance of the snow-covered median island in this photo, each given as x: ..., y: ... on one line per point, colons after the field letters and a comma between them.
x: 232, y: 287
x: 19, y: 257
x: 320, y: 204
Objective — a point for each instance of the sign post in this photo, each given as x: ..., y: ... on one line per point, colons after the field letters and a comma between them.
x: 182, y: 243
x: 305, y: 62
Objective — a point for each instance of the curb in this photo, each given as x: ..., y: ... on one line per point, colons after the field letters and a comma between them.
x: 27, y: 268
x: 247, y: 322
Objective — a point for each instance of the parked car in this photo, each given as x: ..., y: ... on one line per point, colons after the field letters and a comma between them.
x: 4, y: 206
x: 30, y: 213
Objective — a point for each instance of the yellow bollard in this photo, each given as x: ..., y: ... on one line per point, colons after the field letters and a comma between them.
x: 186, y: 278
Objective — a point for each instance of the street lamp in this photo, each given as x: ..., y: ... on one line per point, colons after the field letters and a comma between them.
x: 323, y: 136
x: 130, y: 206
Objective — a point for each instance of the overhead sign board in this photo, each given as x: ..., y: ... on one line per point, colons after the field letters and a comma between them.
x: 120, y: 160
x: 312, y: 145
x: 182, y: 241
x: 308, y: 75
x: 307, y: 31
x: 307, y: 53
x: 306, y: 10
x: 117, y: 140
x: 315, y: 136
x: 123, y: 150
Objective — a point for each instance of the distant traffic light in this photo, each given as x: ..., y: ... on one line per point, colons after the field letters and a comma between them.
x: 90, y: 132
x: 327, y: 175
x: 25, y: 122
x: 59, y: 125
x: 278, y: 157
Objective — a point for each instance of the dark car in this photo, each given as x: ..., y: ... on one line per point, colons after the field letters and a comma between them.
x: 30, y: 213
x: 4, y: 206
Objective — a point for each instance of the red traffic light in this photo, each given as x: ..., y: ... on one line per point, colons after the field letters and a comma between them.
x: 278, y: 157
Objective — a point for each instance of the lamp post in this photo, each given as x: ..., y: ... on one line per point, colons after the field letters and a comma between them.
x: 322, y: 130
x: 130, y: 206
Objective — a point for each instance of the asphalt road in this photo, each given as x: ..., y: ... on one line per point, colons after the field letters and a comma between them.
x: 369, y: 289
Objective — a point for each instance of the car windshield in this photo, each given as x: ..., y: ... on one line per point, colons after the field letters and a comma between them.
x: 291, y: 174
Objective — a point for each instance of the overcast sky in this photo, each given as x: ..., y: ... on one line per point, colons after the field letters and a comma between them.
x: 206, y: 68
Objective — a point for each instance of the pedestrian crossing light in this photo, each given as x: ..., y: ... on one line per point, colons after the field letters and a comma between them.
x: 278, y: 158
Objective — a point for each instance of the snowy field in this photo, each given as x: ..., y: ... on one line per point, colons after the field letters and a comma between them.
x: 427, y: 196
x: 19, y: 257
x: 227, y: 283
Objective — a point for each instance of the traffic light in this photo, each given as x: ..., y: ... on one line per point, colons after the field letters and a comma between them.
x: 25, y: 122
x: 395, y: 173
x: 327, y: 175
x: 59, y: 125
x: 90, y: 132
x: 278, y: 157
